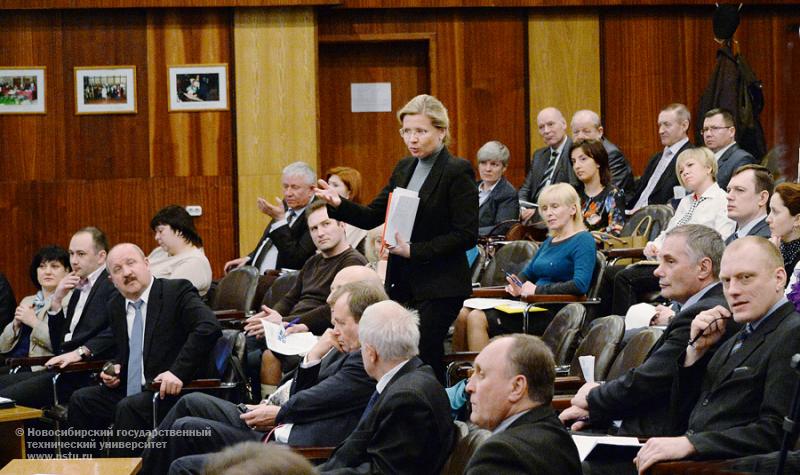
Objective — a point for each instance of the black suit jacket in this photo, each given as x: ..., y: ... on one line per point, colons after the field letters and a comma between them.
x: 7, y: 302
x: 293, y: 242
x: 501, y: 205
x: 179, y: 331
x: 562, y: 174
x: 408, y: 430
x: 327, y: 400
x: 760, y: 229
x: 92, y: 329
x: 621, y: 172
x: 744, y: 396
x: 663, y: 192
x: 537, y: 442
x: 732, y: 159
x: 641, y: 397
x: 446, y: 227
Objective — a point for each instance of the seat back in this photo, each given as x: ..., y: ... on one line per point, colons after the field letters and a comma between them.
x: 635, y: 352
x: 279, y: 288
x: 467, y: 442
x: 601, y: 341
x: 660, y: 214
x: 597, y: 276
x: 560, y: 335
x: 236, y: 290
x: 512, y: 258
x: 476, y: 269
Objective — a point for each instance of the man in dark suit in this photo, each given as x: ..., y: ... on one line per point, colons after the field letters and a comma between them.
x: 656, y: 186
x: 551, y: 163
x: 585, y: 125
x: 719, y: 134
x: 328, y: 394
x: 747, y: 385
x: 510, y: 393
x: 406, y: 426
x: 77, y: 331
x: 497, y: 198
x: 749, y: 191
x: 163, y: 332
x: 7, y: 301
x: 285, y: 243
x: 688, y: 273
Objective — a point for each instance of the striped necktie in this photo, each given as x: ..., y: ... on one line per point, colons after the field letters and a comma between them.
x: 547, y: 178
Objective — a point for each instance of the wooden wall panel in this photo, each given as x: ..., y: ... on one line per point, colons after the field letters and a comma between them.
x: 187, y: 143
x: 567, y: 78
x: 276, y: 105
x: 478, y: 72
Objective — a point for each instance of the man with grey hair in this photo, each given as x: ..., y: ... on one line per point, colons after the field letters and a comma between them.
x: 585, y: 125
x: 497, y: 198
x: 286, y: 243
x: 656, y: 186
x: 688, y: 274
x: 406, y: 426
x: 551, y: 163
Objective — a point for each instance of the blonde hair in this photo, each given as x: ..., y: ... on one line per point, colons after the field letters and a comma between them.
x: 432, y: 108
x: 704, y: 157
x: 563, y: 194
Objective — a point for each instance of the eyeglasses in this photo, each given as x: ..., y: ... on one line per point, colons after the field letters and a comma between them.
x: 418, y: 133
x: 714, y: 128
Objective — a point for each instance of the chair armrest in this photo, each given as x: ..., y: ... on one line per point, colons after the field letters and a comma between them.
x: 194, y: 384
x: 315, y: 453
x: 27, y: 361
x: 230, y: 314
x: 623, y: 253
x: 691, y: 467
x: 561, y: 402
x: 568, y: 383
x: 554, y: 298
x: 491, y: 292
x: 460, y: 356
x: 81, y: 366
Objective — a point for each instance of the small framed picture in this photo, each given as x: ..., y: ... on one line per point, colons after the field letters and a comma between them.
x: 105, y: 90
x: 198, y: 87
x: 22, y: 90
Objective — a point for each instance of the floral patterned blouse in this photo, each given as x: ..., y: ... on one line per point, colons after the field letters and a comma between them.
x: 604, y: 212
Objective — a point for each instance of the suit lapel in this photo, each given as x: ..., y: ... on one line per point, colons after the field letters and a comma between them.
x: 153, y: 314
x: 435, y: 174
x: 92, y: 292
x: 404, y: 174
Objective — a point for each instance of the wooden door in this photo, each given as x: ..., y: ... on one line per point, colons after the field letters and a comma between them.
x: 367, y: 141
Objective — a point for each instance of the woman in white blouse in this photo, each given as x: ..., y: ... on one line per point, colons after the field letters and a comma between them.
x: 705, y: 203
x: 180, y: 253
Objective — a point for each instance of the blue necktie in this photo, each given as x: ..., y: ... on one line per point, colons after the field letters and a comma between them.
x: 135, y: 347
x: 372, y: 400
x: 741, y: 337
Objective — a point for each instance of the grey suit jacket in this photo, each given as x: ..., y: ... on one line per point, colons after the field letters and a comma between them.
x: 562, y: 174
x: 501, y: 205
x: 760, y: 229
x: 732, y: 159
x: 535, y: 443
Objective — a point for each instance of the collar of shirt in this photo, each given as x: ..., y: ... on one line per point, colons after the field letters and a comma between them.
x: 508, y: 421
x: 93, y: 277
x: 694, y: 298
x: 560, y: 148
x: 145, y: 295
x: 384, y: 381
x: 677, y: 146
x: 744, y: 230
x: 754, y: 325
x: 480, y: 187
x: 724, y: 149
x: 297, y: 213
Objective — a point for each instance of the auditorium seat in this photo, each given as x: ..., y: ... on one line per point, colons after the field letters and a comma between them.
x: 235, y: 292
x: 601, y: 341
x: 512, y: 257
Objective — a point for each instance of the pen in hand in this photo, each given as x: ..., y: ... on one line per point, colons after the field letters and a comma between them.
x: 293, y: 322
x: 513, y: 278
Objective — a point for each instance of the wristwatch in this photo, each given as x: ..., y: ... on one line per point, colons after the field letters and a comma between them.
x: 83, y: 352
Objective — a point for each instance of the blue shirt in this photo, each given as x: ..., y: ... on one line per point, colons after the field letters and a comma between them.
x: 565, y: 266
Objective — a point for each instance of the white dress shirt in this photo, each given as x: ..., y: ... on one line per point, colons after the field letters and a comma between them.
x: 83, y: 297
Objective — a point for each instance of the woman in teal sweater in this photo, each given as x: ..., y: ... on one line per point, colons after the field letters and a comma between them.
x: 564, y: 264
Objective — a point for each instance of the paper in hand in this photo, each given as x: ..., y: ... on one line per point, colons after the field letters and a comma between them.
x: 278, y: 341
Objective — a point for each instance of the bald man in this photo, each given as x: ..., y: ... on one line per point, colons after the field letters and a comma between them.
x: 551, y: 163
x: 164, y: 333
x: 585, y: 125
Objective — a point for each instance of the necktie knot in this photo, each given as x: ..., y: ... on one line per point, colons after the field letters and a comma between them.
x: 290, y: 216
x: 136, y: 305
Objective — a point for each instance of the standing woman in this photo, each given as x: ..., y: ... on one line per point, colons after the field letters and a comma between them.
x: 347, y: 182
x: 603, y: 204
x: 429, y: 273
x: 784, y: 224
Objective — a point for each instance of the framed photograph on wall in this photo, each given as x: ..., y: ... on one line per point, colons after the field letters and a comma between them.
x: 105, y: 90
x: 22, y: 90
x: 198, y: 87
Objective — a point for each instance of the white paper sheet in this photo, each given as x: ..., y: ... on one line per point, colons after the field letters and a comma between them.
x: 639, y: 316
x: 485, y: 304
x: 587, y: 443
x: 371, y: 97
x: 587, y: 366
x: 402, y: 215
x: 292, y: 344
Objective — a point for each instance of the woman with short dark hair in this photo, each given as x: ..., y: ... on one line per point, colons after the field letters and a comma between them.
x: 180, y: 253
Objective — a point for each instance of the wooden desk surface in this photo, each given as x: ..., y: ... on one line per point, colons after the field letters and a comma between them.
x: 111, y: 466
x: 19, y: 413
